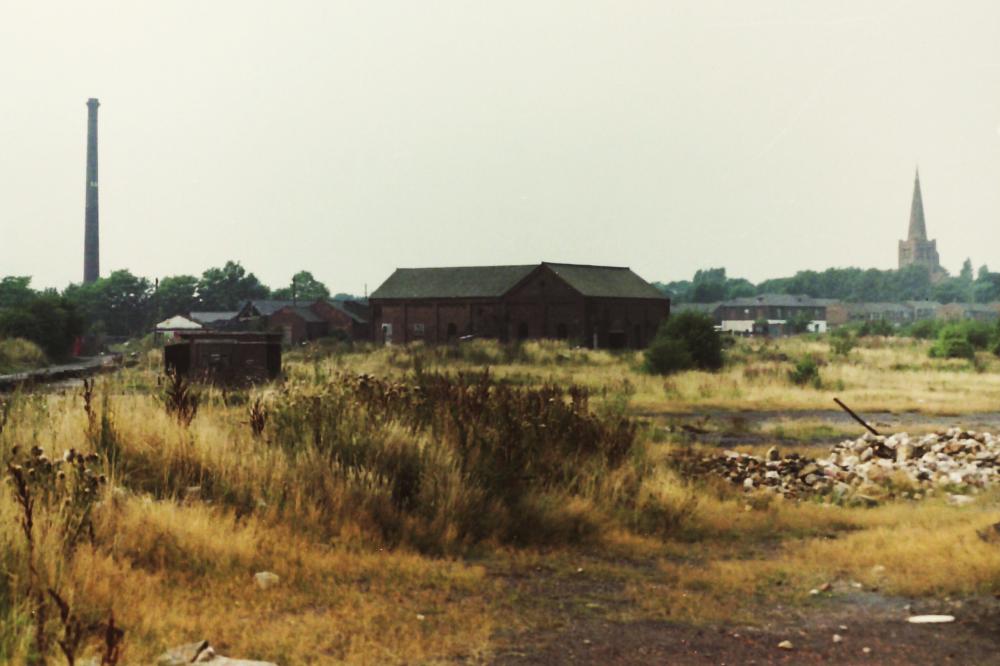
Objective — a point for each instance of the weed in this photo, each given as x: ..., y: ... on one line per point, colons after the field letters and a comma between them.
x: 180, y: 399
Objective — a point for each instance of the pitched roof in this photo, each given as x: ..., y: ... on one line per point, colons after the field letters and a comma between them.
x: 209, y: 317
x: 356, y: 311
x: 776, y: 300
x: 495, y: 281
x: 177, y: 322
x: 877, y: 308
x: 605, y: 281
x: 266, y: 308
x: 456, y: 282
x: 707, y: 308
x: 305, y: 313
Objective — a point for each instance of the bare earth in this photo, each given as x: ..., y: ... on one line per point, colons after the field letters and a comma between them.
x: 872, y: 621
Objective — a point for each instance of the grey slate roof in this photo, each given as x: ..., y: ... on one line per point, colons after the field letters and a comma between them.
x: 495, y: 281
x: 356, y: 311
x: 776, y: 300
x: 266, y: 308
x: 304, y: 312
x: 210, y: 317
x: 457, y: 282
x: 605, y: 281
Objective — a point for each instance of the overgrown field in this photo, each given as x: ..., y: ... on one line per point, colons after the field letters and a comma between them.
x: 18, y: 355
x: 401, y: 494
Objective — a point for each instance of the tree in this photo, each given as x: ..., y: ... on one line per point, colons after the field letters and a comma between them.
x: 16, y: 291
x: 50, y: 321
x: 229, y: 287
x: 304, y: 287
x: 952, y: 290
x: 966, y: 272
x: 118, y: 304
x: 176, y: 295
x: 685, y: 340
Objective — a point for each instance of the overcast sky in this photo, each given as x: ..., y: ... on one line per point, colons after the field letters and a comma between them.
x: 349, y: 138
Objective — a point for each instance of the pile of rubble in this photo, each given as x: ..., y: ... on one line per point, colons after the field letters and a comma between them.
x: 862, y: 467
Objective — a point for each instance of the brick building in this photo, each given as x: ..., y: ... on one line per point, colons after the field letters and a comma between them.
x: 595, y: 306
x: 303, y: 321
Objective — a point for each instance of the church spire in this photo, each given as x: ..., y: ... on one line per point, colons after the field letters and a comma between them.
x: 918, y: 228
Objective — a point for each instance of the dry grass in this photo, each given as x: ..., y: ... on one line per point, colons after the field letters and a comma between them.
x: 17, y: 355
x: 175, y: 568
x: 881, y: 374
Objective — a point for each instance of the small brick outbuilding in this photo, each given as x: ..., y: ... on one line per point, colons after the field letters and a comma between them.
x: 594, y: 306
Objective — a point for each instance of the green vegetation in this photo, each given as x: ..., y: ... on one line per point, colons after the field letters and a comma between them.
x: 17, y: 355
x: 805, y: 372
x: 48, y: 320
x: 685, y: 341
x: 846, y: 284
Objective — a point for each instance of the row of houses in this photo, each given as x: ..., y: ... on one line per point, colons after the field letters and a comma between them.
x: 778, y: 314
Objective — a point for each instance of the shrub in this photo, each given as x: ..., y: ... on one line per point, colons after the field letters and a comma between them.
x: 878, y: 327
x: 806, y: 371
x: 800, y: 323
x: 18, y: 355
x: 952, y: 342
x: 667, y: 356
x: 842, y: 341
x: 688, y: 335
x: 925, y: 329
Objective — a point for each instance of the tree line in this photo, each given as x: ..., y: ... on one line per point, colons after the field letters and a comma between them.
x: 127, y: 305
x: 853, y: 285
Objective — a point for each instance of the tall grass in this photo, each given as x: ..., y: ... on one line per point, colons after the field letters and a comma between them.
x: 17, y: 355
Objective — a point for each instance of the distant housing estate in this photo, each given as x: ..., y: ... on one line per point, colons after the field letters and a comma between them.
x: 774, y: 314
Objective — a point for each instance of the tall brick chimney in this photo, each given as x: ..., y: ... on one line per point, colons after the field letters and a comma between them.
x: 91, y: 235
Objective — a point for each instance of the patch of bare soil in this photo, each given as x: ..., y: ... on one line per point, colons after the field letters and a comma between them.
x: 872, y: 630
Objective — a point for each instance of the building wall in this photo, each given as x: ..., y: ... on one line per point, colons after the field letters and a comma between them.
x: 339, y: 321
x: 294, y: 328
x: 436, y: 320
x: 543, y: 306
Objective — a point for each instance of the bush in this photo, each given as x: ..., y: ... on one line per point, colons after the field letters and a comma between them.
x: 806, y: 371
x: 17, y: 355
x: 667, y: 356
x: 842, y: 341
x: 953, y: 342
x: 877, y: 327
x: 687, y: 340
x: 925, y: 329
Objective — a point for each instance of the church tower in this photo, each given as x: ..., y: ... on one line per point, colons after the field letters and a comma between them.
x: 916, y: 249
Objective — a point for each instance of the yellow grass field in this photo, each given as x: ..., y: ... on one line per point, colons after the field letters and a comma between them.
x: 373, y: 571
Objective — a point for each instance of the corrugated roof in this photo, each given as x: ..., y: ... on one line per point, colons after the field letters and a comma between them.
x: 605, y: 281
x: 456, y: 282
x: 495, y: 281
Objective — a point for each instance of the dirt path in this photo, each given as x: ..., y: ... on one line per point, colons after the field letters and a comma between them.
x: 888, y: 642
x: 583, y: 614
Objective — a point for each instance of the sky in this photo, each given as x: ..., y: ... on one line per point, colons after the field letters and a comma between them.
x: 351, y: 138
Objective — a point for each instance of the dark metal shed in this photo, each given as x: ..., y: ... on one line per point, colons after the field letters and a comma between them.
x: 225, y: 357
